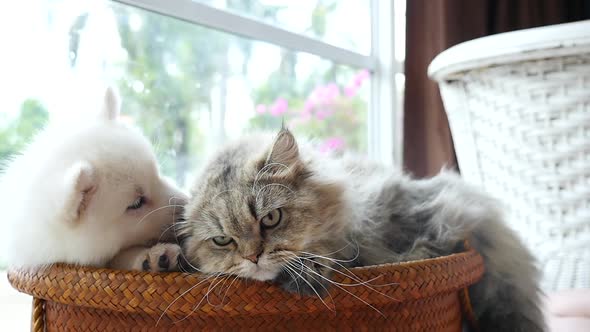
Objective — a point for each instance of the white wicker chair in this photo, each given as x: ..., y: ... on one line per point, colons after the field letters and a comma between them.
x: 519, y: 110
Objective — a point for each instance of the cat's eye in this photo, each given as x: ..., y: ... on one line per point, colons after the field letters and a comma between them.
x: 272, y: 219
x: 137, y: 203
x: 222, y: 240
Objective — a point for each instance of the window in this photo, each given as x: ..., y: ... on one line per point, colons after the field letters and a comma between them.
x: 194, y: 73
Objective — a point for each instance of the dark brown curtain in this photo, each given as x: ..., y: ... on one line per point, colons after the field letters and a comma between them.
x: 435, y: 25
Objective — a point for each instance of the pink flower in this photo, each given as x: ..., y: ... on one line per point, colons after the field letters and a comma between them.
x: 260, y: 109
x: 332, y: 144
x: 308, y: 107
x: 350, y: 91
x: 314, y: 97
x: 279, y: 107
x: 360, y: 77
x: 332, y: 92
x: 323, y: 113
x: 305, y: 115
x: 323, y: 95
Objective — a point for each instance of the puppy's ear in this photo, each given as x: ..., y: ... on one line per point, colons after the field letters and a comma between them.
x: 81, y: 182
x: 111, y: 105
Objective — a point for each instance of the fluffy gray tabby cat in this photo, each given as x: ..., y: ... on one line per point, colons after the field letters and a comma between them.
x: 263, y: 208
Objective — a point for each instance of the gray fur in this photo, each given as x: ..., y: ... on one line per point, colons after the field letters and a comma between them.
x: 354, y: 211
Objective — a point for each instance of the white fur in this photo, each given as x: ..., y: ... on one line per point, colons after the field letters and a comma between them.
x: 65, y: 198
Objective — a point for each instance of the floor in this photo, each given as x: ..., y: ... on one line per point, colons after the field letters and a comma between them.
x: 15, y: 307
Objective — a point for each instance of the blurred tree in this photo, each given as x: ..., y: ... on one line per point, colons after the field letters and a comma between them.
x: 173, y: 66
x: 168, y: 77
x: 15, y: 134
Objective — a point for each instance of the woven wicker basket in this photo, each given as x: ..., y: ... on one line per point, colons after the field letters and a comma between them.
x: 429, y: 295
x: 519, y: 110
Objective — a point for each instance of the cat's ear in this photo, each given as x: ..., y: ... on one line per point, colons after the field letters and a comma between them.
x: 80, y: 182
x: 111, y: 106
x: 284, y: 149
x: 283, y: 155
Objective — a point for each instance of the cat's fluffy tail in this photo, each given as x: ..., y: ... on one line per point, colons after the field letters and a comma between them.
x: 508, y: 297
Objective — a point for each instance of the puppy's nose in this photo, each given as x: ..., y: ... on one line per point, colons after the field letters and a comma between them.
x: 179, y: 200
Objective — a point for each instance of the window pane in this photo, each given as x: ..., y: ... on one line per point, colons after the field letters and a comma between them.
x: 399, y: 10
x: 342, y: 23
x: 188, y: 87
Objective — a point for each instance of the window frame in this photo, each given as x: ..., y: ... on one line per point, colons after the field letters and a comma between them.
x: 385, y: 114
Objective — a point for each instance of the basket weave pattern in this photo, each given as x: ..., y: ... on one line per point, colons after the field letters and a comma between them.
x: 522, y: 132
x: 427, y: 296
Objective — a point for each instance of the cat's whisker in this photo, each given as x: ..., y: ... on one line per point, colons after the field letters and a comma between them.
x: 174, y: 210
x: 291, y: 272
x: 351, y: 275
x: 295, y: 257
x: 311, y: 259
x: 315, y: 291
x: 186, y: 260
x: 366, y: 283
x: 290, y: 264
x: 202, y: 299
x: 214, y: 285
x: 180, y: 296
x: 288, y: 269
x: 326, y: 256
x: 355, y: 278
x: 324, y: 287
x: 359, y: 282
x: 352, y: 294
x: 228, y: 287
x: 226, y: 277
x: 348, y: 243
x: 336, y: 251
x: 336, y: 262
x: 311, y: 255
x: 170, y: 227
x: 156, y: 210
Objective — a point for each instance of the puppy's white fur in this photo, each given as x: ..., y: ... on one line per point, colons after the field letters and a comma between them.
x: 66, y: 197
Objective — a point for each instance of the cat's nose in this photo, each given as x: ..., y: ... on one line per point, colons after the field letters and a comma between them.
x: 254, y: 257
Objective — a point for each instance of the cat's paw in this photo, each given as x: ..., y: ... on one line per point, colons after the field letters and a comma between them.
x: 311, y: 279
x: 162, y: 257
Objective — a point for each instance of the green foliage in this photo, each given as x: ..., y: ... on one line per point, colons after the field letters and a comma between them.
x: 168, y: 78
x: 171, y: 68
x: 318, y: 17
x: 15, y: 133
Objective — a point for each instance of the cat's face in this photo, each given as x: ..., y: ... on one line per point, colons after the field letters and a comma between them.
x: 257, y: 208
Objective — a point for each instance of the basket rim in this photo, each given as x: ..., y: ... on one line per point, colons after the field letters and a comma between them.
x: 183, y: 294
x: 552, y: 41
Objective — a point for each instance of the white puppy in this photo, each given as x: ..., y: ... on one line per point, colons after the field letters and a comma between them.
x: 83, y: 194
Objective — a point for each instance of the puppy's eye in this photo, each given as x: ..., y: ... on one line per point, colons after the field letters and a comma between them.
x: 272, y: 219
x: 138, y: 203
x: 222, y: 240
